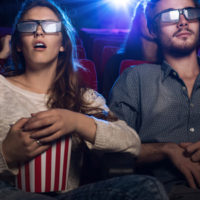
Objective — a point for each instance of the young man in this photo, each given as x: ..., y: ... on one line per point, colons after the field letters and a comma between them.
x: 162, y: 102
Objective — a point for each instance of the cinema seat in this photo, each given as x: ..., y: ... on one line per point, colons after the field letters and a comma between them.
x: 89, y: 74
x: 81, y: 52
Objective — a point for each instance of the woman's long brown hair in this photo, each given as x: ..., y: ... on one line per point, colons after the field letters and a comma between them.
x: 67, y: 89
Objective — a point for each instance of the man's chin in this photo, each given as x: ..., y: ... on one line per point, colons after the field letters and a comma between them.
x: 181, y: 52
x: 183, y: 49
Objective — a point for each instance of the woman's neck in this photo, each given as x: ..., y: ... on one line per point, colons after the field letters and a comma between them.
x: 38, y: 81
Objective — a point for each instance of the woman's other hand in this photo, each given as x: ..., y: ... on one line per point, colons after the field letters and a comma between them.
x: 48, y: 126
x: 5, y: 46
x: 18, y: 146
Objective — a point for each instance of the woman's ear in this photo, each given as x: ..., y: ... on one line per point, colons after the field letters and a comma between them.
x: 62, y: 49
x: 19, y: 49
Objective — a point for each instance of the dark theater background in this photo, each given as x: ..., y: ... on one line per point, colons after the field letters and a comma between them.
x: 102, y: 26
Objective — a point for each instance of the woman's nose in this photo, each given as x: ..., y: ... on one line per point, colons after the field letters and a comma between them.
x: 39, y: 31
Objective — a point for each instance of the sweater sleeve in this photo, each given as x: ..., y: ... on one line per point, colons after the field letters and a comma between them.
x: 4, y: 169
x: 114, y: 136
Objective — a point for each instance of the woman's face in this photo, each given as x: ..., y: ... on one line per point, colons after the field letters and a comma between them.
x: 40, y: 48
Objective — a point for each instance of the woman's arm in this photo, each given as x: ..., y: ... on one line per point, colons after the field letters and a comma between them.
x: 50, y: 125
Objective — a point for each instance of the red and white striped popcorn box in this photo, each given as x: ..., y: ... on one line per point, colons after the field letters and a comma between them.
x: 48, y: 172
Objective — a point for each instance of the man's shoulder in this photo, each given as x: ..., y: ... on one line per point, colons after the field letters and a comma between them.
x: 144, y: 68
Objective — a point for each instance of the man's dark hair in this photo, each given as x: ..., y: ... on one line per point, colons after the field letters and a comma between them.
x: 150, y: 12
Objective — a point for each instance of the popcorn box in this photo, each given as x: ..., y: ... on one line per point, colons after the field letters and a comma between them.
x: 48, y: 172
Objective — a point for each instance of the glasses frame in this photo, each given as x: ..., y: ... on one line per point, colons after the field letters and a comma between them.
x: 40, y: 23
x: 181, y: 12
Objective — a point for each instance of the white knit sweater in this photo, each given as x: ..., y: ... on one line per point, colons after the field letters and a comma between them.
x: 16, y: 103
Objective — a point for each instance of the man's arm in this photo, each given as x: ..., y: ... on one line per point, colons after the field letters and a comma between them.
x: 154, y: 152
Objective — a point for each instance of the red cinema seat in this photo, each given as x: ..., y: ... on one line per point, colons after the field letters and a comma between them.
x: 81, y: 52
x: 97, y: 49
x: 127, y: 63
x: 89, y: 74
x: 108, y: 52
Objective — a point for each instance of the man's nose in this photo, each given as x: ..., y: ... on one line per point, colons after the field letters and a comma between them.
x: 182, y: 21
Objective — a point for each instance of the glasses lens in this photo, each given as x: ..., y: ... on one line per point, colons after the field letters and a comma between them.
x: 27, y: 27
x: 51, y: 27
x: 170, y: 16
x: 192, y: 13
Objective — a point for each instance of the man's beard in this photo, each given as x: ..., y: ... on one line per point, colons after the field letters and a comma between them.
x: 180, y: 50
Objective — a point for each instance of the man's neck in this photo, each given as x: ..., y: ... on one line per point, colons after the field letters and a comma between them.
x: 186, y: 66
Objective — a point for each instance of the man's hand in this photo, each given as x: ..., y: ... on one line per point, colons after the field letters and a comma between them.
x: 190, y: 169
x: 192, y: 149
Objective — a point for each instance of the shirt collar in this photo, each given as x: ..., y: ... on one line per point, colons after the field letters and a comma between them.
x: 167, y: 69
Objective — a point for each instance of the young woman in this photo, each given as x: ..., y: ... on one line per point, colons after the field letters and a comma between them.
x: 44, y: 100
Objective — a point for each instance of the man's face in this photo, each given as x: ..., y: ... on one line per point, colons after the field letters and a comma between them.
x: 179, y: 38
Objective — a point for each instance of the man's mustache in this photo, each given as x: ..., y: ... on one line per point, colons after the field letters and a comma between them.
x: 182, y: 29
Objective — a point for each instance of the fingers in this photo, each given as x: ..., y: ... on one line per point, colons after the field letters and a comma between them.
x: 51, y: 138
x: 39, y: 149
x: 38, y: 123
x: 189, y: 179
x: 19, y: 124
x: 193, y: 147
x: 196, y: 176
x: 196, y: 156
x: 184, y: 144
x: 45, y: 132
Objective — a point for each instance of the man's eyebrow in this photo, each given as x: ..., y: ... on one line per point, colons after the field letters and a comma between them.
x: 169, y: 9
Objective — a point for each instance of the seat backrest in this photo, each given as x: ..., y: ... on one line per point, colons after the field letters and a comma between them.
x: 98, y: 45
x: 81, y: 52
x: 89, y: 74
x: 108, y: 52
x: 127, y: 63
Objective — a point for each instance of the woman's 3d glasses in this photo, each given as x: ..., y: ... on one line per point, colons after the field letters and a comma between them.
x: 173, y: 15
x: 32, y: 25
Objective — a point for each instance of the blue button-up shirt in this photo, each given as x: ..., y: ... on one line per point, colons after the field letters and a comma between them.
x: 153, y: 100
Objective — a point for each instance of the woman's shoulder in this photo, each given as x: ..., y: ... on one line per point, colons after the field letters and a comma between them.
x: 92, y: 95
x: 95, y: 99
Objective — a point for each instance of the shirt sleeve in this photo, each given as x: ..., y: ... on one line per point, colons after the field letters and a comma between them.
x: 114, y: 136
x: 125, y: 97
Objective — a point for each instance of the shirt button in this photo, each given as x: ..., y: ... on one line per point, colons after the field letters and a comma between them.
x: 192, y: 130
x: 191, y: 105
x: 184, y: 88
x: 174, y: 73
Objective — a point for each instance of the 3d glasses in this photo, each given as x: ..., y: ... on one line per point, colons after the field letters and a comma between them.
x: 173, y: 15
x: 47, y: 26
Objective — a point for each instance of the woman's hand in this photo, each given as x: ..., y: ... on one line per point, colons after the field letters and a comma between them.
x: 50, y: 125
x: 18, y: 146
x: 5, y: 46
